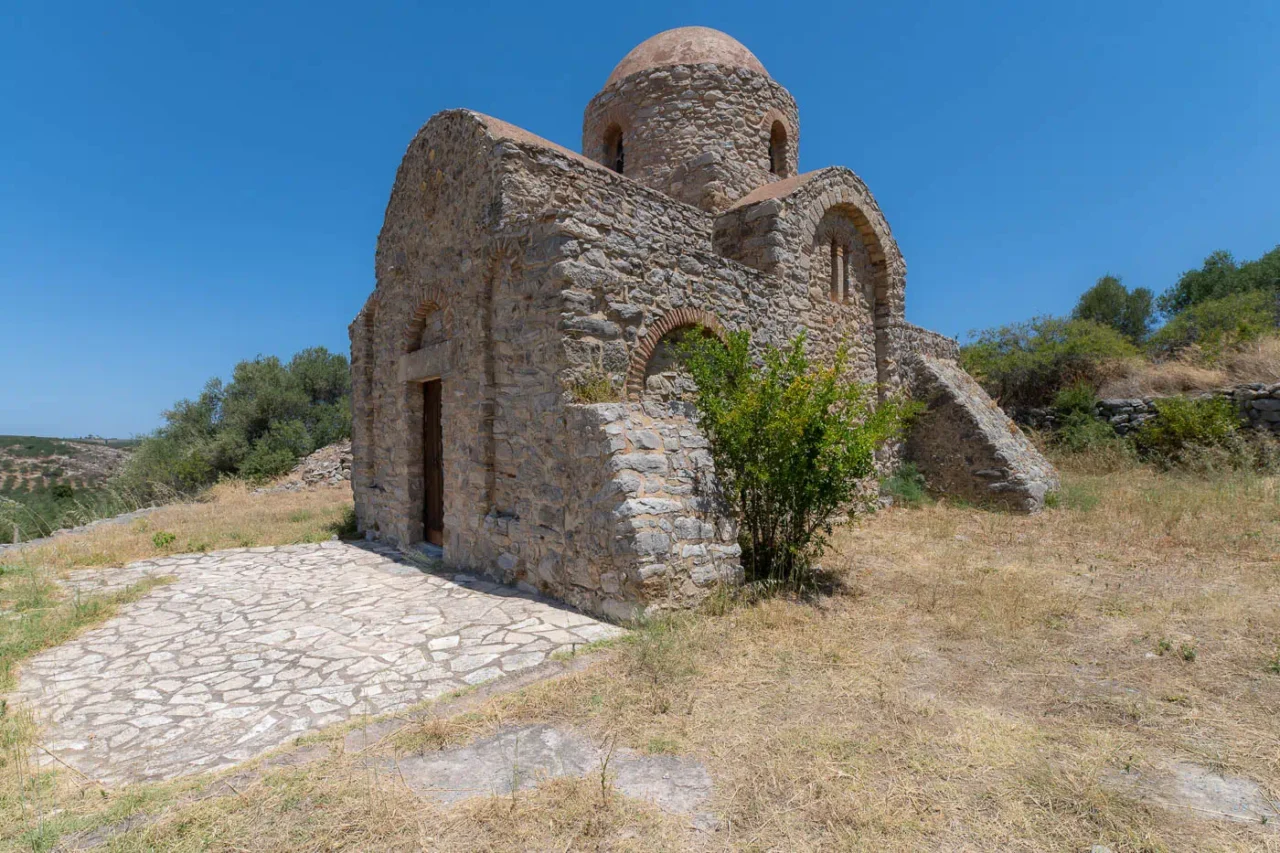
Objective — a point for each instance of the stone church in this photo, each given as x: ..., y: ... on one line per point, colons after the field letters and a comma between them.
x: 520, y: 284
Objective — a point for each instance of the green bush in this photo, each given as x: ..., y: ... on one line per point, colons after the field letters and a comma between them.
x: 595, y: 387
x: 1079, y: 429
x: 1217, y: 323
x: 257, y: 425
x: 1183, y: 427
x: 1079, y: 398
x: 1026, y: 364
x: 1079, y: 433
x: 790, y: 440
x: 906, y: 486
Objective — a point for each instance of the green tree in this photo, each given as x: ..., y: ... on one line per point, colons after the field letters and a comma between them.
x: 256, y: 425
x: 1219, y: 277
x: 1110, y: 303
x: 790, y: 442
x: 1025, y: 364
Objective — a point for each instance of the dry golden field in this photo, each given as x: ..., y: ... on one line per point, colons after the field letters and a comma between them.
x: 973, y: 681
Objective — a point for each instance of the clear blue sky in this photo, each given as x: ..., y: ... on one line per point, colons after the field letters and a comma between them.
x: 184, y: 185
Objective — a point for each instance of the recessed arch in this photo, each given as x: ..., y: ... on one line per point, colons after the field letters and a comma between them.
x: 846, y: 231
x: 430, y: 301
x: 667, y: 323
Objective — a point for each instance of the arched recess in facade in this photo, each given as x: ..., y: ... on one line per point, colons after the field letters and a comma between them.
x: 430, y: 301
x: 432, y: 306
x: 887, y: 268
x: 783, y: 144
x: 678, y: 319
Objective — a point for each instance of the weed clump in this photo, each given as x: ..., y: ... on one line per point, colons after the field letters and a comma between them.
x: 596, y: 387
x: 906, y: 486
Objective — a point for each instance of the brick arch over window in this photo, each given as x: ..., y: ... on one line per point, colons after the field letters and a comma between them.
x: 430, y: 301
x: 887, y: 269
x: 866, y: 231
x: 666, y: 324
x: 866, y: 216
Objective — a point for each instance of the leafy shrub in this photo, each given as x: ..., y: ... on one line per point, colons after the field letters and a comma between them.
x: 257, y: 425
x: 1078, y: 398
x: 1026, y: 364
x: 906, y: 486
x: 346, y: 527
x: 790, y: 442
x: 1184, y: 426
x: 1078, y: 433
x: 1217, y: 324
x: 1079, y: 428
x: 162, y: 539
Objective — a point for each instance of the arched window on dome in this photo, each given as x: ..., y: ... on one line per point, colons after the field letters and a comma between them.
x: 778, y: 149
x: 614, y: 155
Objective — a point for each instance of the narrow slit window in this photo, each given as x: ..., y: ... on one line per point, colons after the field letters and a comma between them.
x: 837, y: 272
x: 778, y: 149
x: 614, y: 153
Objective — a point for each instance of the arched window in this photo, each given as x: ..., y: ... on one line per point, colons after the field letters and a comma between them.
x: 778, y: 149
x: 614, y: 156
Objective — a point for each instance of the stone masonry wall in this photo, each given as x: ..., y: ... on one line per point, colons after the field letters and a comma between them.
x: 775, y: 229
x: 1258, y: 404
x: 562, y: 270
x: 648, y: 530
x: 914, y: 339
x: 434, y: 264
x: 966, y: 446
x: 515, y: 271
x: 698, y: 133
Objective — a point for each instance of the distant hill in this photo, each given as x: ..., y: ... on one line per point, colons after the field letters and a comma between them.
x: 48, y: 483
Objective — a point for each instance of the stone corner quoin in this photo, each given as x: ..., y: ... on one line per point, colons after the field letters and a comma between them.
x: 512, y: 271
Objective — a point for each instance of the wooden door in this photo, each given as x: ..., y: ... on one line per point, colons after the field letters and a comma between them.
x: 433, y: 464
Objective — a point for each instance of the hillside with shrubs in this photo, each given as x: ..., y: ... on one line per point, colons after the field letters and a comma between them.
x: 254, y: 427
x: 1216, y: 328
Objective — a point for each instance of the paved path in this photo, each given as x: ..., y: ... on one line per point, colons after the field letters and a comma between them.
x: 250, y: 648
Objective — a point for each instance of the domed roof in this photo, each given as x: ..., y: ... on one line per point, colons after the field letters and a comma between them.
x: 686, y: 46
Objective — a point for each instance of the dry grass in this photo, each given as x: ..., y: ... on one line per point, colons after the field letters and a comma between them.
x: 229, y: 516
x: 1192, y: 371
x: 1256, y: 361
x: 1137, y: 377
x: 969, y: 688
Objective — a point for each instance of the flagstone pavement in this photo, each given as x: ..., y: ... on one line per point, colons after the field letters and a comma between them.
x: 249, y: 648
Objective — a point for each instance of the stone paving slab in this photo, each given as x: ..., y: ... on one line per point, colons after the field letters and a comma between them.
x: 519, y: 758
x: 250, y: 648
